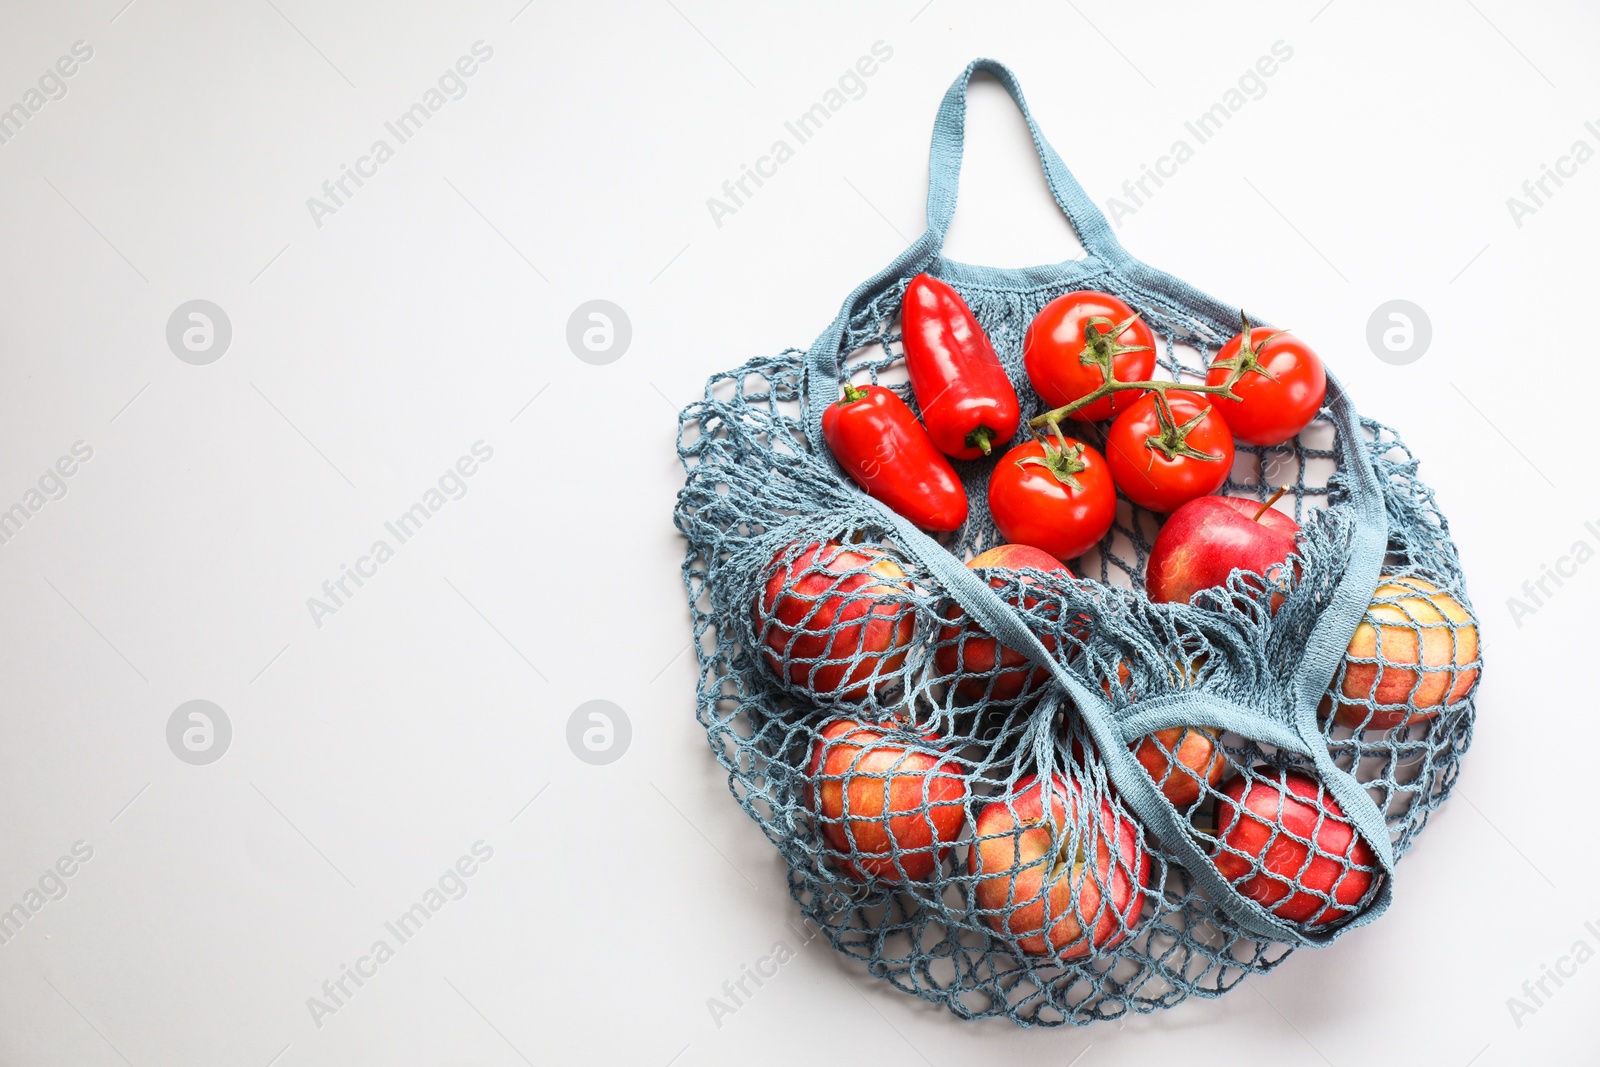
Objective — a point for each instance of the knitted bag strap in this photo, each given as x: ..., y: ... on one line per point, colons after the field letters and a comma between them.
x: 944, y: 179
x: 944, y: 166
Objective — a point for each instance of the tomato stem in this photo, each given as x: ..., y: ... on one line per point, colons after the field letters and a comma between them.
x: 1249, y: 356
x: 1100, y: 344
x: 1063, y: 459
x: 1052, y: 418
x: 1100, y: 347
x: 1172, y: 440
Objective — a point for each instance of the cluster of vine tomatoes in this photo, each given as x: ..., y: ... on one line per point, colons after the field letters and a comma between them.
x: 1093, y: 360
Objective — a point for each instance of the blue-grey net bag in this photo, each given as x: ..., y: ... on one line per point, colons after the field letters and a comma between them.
x: 1044, y: 846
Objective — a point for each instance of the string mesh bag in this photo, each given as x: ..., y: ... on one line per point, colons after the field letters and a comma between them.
x: 1037, y: 794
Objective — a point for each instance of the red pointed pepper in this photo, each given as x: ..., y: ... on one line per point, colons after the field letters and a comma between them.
x: 879, y: 442
x: 966, y: 399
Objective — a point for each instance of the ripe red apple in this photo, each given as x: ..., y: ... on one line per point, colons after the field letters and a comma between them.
x: 1209, y: 537
x: 1420, y: 648
x: 835, y: 621
x: 1062, y: 903
x: 1271, y: 817
x: 968, y: 650
x: 890, y: 808
x: 1179, y: 759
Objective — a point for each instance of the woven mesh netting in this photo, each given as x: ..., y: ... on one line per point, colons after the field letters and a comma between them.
x: 947, y: 814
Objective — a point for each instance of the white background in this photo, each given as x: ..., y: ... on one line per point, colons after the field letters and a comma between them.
x: 370, y: 352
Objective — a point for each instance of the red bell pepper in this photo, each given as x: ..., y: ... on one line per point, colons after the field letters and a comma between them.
x: 881, y: 445
x: 966, y: 399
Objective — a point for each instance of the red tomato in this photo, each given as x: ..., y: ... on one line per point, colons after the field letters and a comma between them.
x: 1162, y: 466
x: 1055, y: 495
x: 1053, y: 352
x: 1280, y: 382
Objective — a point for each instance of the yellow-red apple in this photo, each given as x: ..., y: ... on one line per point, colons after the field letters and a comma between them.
x: 889, y: 808
x: 835, y: 621
x: 1079, y: 895
x: 1425, y: 644
x: 1180, y: 759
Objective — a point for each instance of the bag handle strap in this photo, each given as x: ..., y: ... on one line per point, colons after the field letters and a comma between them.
x: 944, y: 165
x: 944, y: 176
